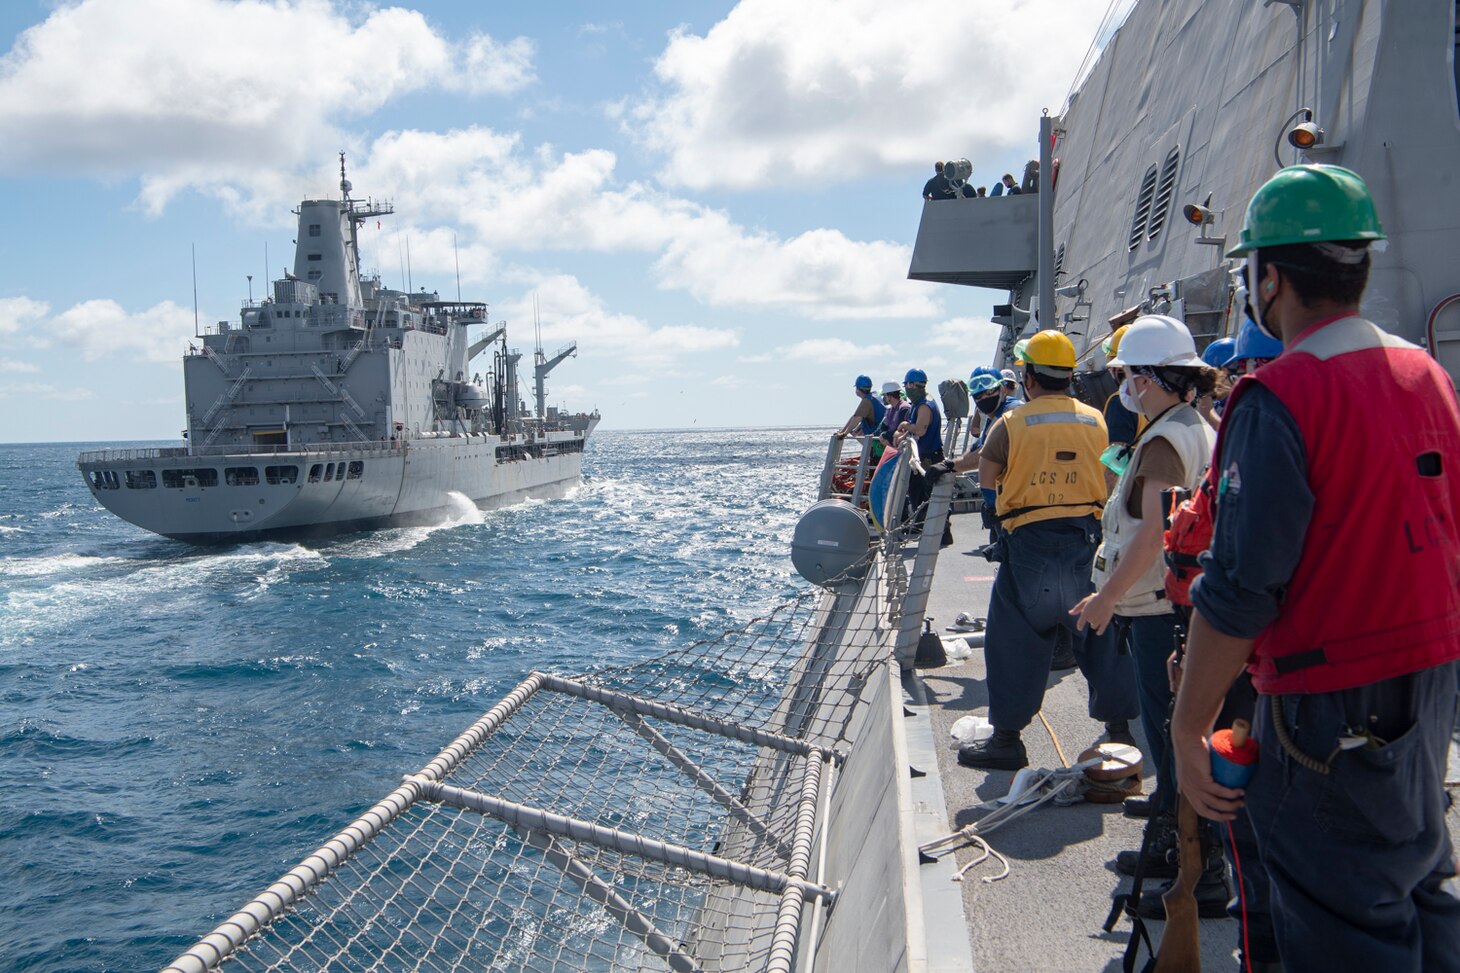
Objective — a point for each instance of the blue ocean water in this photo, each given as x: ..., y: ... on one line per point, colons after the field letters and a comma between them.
x: 179, y: 726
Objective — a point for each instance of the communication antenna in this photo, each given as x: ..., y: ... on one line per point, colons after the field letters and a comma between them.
x: 456, y: 255
x: 195, y: 290
x: 266, y: 267
x: 409, y: 284
x: 401, y: 248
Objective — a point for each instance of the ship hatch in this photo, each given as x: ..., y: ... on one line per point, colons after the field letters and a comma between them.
x: 270, y: 437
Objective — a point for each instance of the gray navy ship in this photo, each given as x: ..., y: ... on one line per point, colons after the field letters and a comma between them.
x: 337, y: 404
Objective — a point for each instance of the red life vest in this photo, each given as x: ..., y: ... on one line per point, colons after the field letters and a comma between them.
x: 1189, y: 536
x: 1376, y: 592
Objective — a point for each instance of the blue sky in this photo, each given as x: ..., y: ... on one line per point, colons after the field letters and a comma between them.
x: 717, y: 201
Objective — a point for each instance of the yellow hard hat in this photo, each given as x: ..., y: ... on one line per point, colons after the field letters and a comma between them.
x: 1047, y: 349
x: 1111, y: 345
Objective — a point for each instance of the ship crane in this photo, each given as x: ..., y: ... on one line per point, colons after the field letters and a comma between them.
x: 542, y: 365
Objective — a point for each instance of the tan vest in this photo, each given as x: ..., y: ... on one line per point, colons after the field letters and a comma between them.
x: 1193, y: 439
x: 1054, y: 462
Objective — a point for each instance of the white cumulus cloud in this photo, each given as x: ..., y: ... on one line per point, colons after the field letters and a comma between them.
x: 832, y: 350
x: 779, y: 92
x: 104, y: 329
x: 219, y: 94
x: 539, y: 200
x: 19, y: 313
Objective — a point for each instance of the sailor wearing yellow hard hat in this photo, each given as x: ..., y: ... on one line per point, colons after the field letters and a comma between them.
x: 1043, y: 460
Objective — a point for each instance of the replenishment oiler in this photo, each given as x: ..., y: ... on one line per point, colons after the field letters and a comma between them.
x: 337, y: 404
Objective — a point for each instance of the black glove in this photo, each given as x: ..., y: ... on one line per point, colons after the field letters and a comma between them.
x: 937, y: 470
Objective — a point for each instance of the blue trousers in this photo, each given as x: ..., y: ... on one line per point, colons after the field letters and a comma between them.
x: 1046, y: 569
x: 1152, y: 640
x: 1356, y: 857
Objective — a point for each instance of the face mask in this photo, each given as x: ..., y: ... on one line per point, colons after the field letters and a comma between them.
x: 916, y: 393
x: 1129, y: 397
x: 1258, y: 310
x: 987, y: 405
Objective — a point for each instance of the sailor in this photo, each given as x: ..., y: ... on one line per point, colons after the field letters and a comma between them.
x: 895, y: 414
x: 868, y: 413
x: 1044, y: 460
x: 925, y: 425
x: 1162, y: 373
x: 1252, y: 350
x: 1011, y: 385
x: 1215, y: 356
x: 991, y: 397
x: 1349, y: 624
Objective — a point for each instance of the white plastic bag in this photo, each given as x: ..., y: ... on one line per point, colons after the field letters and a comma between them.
x: 957, y: 649
x: 970, y: 729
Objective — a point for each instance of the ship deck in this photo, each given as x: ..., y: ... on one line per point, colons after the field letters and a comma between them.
x: 1048, y: 913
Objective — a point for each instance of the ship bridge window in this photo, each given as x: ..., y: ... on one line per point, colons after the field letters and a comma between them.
x: 314, y: 275
x: 141, y: 480
x: 1165, y: 189
x: 357, y: 470
x: 329, y: 472
x: 314, y: 229
x: 241, y: 475
x: 105, y: 480
x: 316, y: 256
x: 177, y: 479
x: 1144, y: 198
x: 281, y: 474
x: 314, y: 472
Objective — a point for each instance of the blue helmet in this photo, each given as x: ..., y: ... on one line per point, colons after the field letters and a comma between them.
x: 863, y: 382
x: 1219, y: 352
x: 1253, y: 343
x: 983, y: 380
x: 915, y: 375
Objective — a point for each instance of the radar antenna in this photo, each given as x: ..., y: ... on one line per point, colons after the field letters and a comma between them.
x: 345, y: 186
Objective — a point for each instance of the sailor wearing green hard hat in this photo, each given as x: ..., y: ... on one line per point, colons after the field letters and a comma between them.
x: 1334, y: 577
x: 1040, y: 470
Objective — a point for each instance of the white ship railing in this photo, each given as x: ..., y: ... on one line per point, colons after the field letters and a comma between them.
x: 663, y: 815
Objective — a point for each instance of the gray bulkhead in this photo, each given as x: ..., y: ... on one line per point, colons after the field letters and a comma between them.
x: 1187, y: 103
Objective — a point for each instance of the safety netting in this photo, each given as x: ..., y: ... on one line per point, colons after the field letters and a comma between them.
x: 653, y: 816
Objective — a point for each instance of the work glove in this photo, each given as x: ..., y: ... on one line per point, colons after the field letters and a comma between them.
x: 937, y: 470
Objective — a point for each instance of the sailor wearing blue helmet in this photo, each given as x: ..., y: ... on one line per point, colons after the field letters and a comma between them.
x: 1253, y: 349
x: 925, y: 426
x: 1219, y: 352
x: 868, y: 414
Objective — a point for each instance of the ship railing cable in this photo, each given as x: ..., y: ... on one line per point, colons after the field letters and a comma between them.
x: 660, y: 814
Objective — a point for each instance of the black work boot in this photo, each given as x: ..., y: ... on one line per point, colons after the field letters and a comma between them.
x: 1160, y: 851
x: 1002, y: 751
x: 1119, y: 732
x: 1139, y: 807
x: 1212, y: 892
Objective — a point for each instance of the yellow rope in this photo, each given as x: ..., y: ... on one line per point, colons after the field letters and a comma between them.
x: 1054, y: 739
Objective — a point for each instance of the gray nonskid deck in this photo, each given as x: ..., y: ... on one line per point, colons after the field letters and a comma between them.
x: 1047, y: 914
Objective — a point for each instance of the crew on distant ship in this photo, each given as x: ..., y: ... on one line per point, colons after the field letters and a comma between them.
x: 1349, y: 624
x: 868, y: 414
x: 1044, y: 461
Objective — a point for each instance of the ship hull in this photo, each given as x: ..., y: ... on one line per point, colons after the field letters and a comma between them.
x: 242, y: 497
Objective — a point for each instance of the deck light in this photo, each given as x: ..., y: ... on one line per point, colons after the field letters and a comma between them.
x: 1197, y: 214
x: 1305, y: 135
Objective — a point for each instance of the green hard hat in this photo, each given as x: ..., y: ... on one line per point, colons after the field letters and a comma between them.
x: 1309, y: 204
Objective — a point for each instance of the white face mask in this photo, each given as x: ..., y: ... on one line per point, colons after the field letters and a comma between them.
x: 1129, y: 397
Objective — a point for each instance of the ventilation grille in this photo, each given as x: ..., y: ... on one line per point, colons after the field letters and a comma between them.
x: 1143, y: 209
x: 1059, y: 261
x: 1164, y: 192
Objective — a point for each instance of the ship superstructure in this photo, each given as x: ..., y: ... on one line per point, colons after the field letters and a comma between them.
x: 337, y: 404
x: 1185, y: 110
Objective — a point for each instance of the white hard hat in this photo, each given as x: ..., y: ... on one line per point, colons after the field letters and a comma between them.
x: 1156, y: 341
x: 1009, y: 376
x: 888, y: 388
